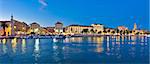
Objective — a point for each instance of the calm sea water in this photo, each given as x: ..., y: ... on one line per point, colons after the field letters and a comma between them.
x: 106, y: 49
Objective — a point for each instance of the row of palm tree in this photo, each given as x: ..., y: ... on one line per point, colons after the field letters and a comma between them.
x: 115, y: 31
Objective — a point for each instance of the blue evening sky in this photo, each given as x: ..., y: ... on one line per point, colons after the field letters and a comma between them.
x: 111, y: 13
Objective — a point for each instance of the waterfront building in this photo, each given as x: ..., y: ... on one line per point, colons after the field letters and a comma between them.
x: 109, y: 31
x: 50, y: 29
x: 122, y: 28
x: 34, y: 25
x: 34, y: 28
x: 5, y: 28
x: 59, y: 27
x: 97, y: 27
x: 44, y: 31
x: 12, y: 27
x: 137, y: 31
x: 1, y: 30
x: 20, y: 27
x: 77, y: 29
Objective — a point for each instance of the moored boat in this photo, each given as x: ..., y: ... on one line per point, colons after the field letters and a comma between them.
x: 58, y: 37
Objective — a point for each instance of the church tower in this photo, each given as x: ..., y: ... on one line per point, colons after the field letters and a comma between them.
x: 12, y: 26
x: 135, y: 26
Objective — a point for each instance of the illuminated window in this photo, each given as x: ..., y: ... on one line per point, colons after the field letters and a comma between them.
x: 14, y: 27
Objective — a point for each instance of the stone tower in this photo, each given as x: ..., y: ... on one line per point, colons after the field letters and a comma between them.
x: 12, y: 26
x: 135, y: 26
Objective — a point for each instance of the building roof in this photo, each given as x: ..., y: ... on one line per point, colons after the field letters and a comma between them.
x: 58, y: 23
x: 80, y: 25
x: 48, y: 27
x: 97, y: 24
x: 5, y: 21
x: 121, y: 26
x: 34, y: 23
x: 19, y: 22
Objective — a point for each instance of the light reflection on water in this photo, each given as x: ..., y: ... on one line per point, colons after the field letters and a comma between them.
x: 106, y: 49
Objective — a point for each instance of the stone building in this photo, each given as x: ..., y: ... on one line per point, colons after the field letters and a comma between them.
x: 58, y: 27
x: 34, y: 28
x: 78, y: 29
x: 97, y: 27
x: 123, y: 28
x: 7, y: 28
x: 50, y: 29
x: 20, y: 27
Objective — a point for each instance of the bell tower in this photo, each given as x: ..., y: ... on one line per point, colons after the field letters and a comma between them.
x: 12, y: 26
x: 135, y: 26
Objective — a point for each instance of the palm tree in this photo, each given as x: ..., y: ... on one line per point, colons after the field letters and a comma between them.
x: 124, y: 32
x: 131, y: 32
x: 104, y: 32
x: 92, y: 31
x: 113, y: 32
x: 4, y: 25
x: 121, y: 32
x: 108, y: 30
x: 99, y: 32
x: 85, y: 30
x: 127, y: 32
x: 137, y: 33
x: 117, y: 31
x: 95, y: 30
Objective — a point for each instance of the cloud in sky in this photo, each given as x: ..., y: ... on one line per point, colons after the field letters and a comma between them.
x: 43, y: 3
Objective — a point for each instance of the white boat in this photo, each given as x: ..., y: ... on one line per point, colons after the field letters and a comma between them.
x: 148, y: 35
x: 58, y: 37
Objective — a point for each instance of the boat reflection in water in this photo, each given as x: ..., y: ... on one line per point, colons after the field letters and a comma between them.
x: 103, y: 49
